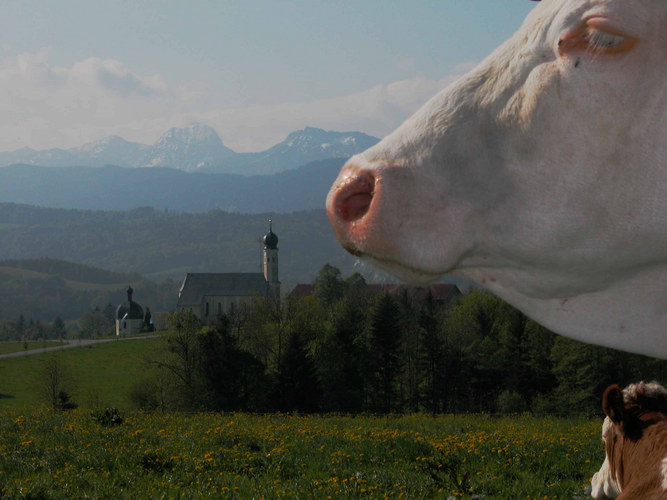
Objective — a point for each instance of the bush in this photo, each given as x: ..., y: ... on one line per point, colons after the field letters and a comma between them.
x: 544, y: 404
x: 107, y: 416
x: 511, y: 402
x: 64, y: 401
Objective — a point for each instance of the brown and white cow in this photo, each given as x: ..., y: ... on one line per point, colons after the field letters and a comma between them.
x: 542, y: 175
x: 635, y: 438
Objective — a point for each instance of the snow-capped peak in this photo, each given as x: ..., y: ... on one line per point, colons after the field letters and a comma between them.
x: 192, y: 147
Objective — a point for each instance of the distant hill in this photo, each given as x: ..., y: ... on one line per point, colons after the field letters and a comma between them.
x: 70, y: 271
x: 41, y: 289
x: 159, y: 244
x: 198, y: 148
x: 118, y: 188
x: 94, y: 255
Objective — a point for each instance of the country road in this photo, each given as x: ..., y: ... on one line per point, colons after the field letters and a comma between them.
x: 72, y: 343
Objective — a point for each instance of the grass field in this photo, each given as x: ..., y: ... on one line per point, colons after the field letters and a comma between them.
x: 45, y: 454
x: 70, y: 455
x: 99, y: 374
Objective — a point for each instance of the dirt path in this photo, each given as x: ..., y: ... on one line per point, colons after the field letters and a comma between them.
x: 72, y: 343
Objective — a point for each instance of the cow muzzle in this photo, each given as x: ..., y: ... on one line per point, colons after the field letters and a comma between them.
x: 350, y: 204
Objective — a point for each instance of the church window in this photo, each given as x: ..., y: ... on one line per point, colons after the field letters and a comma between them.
x: 206, y: 311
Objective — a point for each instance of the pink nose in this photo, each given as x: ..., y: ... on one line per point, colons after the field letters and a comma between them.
x: 351, y: 196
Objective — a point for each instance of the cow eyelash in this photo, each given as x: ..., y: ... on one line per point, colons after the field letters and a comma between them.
x: 590, y: 38
x: 600, y: 41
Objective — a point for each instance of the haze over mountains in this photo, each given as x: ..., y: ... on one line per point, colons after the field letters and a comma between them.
x: 198, y: 148
x: 187, y: 203
x: 124, y: 188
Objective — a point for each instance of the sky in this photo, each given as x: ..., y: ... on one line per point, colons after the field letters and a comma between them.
x: 72, y: 71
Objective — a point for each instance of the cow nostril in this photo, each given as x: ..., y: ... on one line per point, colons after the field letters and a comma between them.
x: 355, y: 196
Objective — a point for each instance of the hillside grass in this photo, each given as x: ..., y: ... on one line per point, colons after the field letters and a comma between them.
x: 70, y: 455
x: 99, y: 374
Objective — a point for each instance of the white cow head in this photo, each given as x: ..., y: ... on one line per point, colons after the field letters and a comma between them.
x: 542, y: 175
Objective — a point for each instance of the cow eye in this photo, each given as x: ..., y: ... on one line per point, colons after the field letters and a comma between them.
x: 595, y: 39
x: 599, y: 40
x: 602, y: 42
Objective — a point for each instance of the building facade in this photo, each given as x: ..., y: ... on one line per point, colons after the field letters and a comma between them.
x: 209, y: 295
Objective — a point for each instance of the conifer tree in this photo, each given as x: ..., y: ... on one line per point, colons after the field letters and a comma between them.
x: 297, y: 386
x: 385, y: 338
x: 340, y: 364
x: 58, y: 328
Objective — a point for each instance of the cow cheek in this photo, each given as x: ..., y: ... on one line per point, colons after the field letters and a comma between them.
x: 413, y: 226
x: 602, y: 484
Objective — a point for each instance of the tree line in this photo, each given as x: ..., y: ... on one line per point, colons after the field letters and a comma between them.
x: 92, y: 324
x: 349, y: 349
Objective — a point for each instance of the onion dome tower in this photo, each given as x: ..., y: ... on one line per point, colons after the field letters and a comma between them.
x: 271, y: 260
x: 129, y: 316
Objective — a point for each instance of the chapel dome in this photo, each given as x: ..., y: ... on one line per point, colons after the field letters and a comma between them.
x: 270, y: 239
x: 129, y: 309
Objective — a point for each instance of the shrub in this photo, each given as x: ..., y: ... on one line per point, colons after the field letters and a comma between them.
x: 511, y: 402
x: 64, y: 401
x: 544, y: 404
x: 107, y: 416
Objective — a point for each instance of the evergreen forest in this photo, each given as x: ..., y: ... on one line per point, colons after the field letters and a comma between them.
x: 350, y: 350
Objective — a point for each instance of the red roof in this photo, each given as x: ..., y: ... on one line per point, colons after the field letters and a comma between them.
x: 440, y: 292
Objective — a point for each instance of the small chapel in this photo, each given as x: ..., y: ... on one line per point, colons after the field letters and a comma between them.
x: 129, y: 316
x: 209, y: 295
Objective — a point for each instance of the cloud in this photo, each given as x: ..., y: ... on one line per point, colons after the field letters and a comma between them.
x: 375, y: 111
x: 46, y: 105
x: 115, y: 77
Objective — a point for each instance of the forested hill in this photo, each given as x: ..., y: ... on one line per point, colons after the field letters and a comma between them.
x: 41, y: 289
x: 159, y: 244
x: 118, y: 188
x: 70, y: 271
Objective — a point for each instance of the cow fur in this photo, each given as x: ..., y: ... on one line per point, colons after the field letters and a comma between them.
x: 635, y: 437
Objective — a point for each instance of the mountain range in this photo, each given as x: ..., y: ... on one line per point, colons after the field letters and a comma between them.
x: 125, y: 188
x: 198, y: 148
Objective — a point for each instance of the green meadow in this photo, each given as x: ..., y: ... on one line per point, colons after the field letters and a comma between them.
x: 98, y: 374
x: 73, y: 455
x: 101, y: 453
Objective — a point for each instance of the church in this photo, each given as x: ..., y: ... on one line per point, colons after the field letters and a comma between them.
x: 129, y: 316
x: 208, y: 295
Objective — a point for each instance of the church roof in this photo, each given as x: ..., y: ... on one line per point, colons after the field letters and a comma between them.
x: 129, y: 309
x: 197, y: 285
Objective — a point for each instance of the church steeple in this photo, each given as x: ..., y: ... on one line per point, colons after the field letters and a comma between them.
x: 270, y: 238
x: 271, y: 258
